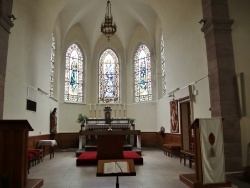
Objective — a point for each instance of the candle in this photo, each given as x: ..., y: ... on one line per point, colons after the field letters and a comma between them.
x: 99, y: 107
x: 124, y: 107
x: 95, y: 106
x: 90, y: 106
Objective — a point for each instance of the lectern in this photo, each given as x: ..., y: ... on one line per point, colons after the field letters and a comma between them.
x: 13, y: 153
x: 209, y: 155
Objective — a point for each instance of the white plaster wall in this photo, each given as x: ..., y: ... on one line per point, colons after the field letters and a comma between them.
x: 28, y: 63
x: 33, y: 31
x: 185, y: 55
x: 144, y: 113
x: 69, y: 111
x: 239, y: 11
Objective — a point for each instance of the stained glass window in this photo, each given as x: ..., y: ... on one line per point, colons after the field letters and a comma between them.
x: 109, y: 84
x: 142, y: 71
x: 73, y: 74
x: 52, y: 65
x: 163, y: 65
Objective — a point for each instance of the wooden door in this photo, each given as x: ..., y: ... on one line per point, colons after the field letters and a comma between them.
x: 185, y: 122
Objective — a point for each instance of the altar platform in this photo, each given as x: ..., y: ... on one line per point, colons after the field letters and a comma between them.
x: 90, y: 158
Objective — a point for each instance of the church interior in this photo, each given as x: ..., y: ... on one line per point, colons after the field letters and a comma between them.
x: 165, y: 76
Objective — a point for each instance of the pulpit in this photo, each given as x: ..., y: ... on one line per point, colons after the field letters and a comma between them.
x: 209, y: 155
x: 13, y: 153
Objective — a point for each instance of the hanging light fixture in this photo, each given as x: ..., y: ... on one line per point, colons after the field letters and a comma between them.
x: 108, y: 27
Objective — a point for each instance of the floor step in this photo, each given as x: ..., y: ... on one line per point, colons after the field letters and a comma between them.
x: 34, y: 183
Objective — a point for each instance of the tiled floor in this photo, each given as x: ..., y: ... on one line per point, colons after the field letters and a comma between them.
x: 158, y: 171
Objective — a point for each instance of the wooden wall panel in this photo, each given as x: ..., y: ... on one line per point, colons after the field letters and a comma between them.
x: 168, y: 138
x: 71, y: 140
x: 68, y: 140
x: 149, y: 139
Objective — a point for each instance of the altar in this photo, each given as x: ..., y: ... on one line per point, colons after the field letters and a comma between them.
x: 100, y: 124
x: 110, y: 145
x: 132, y: 137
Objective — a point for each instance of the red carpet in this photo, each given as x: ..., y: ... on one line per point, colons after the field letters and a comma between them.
x: 89, y: 158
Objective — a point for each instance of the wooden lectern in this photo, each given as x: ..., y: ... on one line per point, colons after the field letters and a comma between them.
x: 209, y: 154
x: 13, y: 153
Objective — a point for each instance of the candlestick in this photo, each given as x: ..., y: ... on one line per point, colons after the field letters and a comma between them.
x: 124, y: 106
x: 90, y: 106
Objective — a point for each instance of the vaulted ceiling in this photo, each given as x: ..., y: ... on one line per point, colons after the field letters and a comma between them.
x: 89, y: 14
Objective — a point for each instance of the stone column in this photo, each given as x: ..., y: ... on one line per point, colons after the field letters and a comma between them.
x: 222, y: 77
x: 5, y: 25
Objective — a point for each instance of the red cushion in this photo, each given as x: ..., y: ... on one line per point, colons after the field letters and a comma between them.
x: 89, y: 158
x: 131, y: 155
x: 36, y: 153
x: 30, y: 155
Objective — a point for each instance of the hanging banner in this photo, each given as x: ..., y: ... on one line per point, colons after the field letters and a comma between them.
x: 174, y: 117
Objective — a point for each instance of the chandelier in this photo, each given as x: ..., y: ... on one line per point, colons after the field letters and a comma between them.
x: 108, y: 27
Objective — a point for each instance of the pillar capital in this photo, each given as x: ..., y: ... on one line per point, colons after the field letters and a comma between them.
x: 6, y: 23
x: 217, y: 25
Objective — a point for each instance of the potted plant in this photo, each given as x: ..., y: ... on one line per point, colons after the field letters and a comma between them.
x: 81, y: 119
x: 132, y: 121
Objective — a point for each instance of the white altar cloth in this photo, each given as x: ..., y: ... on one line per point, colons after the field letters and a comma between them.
x: 107, y: 126
x: 51, y: 143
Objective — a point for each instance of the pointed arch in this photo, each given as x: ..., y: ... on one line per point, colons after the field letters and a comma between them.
x: 74, y: 74
x: 109, y: 77
x: 142, y: 74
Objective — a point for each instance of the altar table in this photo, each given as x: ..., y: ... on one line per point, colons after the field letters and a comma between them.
x: 135, y: 133
x: 50, y: 143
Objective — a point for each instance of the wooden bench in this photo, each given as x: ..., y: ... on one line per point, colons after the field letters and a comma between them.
x: 172, y: 149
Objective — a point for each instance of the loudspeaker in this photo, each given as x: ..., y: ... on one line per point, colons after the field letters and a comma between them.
x: 31, y: 105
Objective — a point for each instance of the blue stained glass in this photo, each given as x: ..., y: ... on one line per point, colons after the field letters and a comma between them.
x: 73, y: 74
x: 142, y: 73
x: 109, y: 77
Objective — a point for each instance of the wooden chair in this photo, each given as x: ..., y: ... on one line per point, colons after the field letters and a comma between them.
x: 184, y: 156
x: 31, y: 160
x: 171, y: 149
x: 188, y: 155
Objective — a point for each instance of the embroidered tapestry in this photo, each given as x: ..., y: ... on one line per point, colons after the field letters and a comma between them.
x: 174, y: 117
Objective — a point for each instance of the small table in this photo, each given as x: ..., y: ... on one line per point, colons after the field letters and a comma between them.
x: 50, y: 143
x: 100, y: 169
